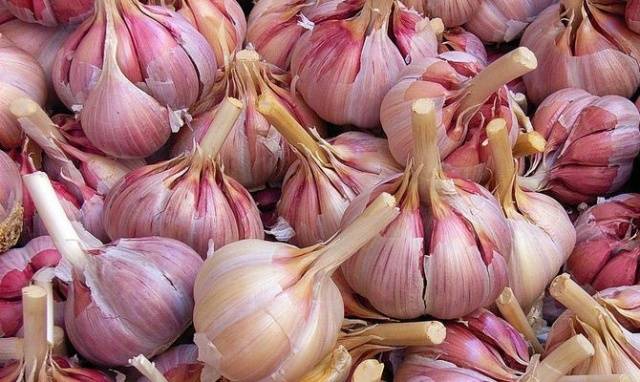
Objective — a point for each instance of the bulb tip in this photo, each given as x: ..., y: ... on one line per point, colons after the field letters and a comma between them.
x: 248, y: 55
x: 423, y: 106
x: 23, y: 107
x: 559, y: 284
x: 33, y: 291
x: 387, y: 199
x: 506, y: 296
x: 235, y: 102
x: 436, y: 332
x: 497, y: 126
x: 525, y: 57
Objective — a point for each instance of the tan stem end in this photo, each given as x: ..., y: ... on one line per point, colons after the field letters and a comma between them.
x: 27, y: 111
x: 368, y: 371
x: 427, y: 333
x: 146, y: 368
x: 564, y: 358
x: 576, y: 299
x: 529, y: 144
x: 425, y: 143
x: 512, y: 312
x: 222, y: 124
x: 34, y: 312
x: 248, y: 55
x: 503, y: 164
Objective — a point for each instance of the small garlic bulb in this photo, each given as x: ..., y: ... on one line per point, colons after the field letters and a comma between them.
x: 132, y: 91
x: 11, y: 209
x: 278, y: 299
x: 51, y: 12
x: 450, y: 236
x: 592, y: 142
x: 542, y: 233
x: 326, y: 176
x: 187, y: 198
x: 582, y: 44
x: 345, y: 66
x: 156, y: 270
x: 255, y: 153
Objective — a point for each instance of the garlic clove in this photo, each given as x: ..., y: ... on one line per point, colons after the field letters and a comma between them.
x: 335, y: 367
x: 438, y: 370
x: 618, y: 271
x: 178, y: 364
x: 51, y: 13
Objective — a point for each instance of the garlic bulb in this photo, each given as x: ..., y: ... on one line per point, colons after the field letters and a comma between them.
x: 542, y: 234
x: 632, y: 15
x: 479, y: 347
x: 582, y: 44
x: 345, y: 66
x: 21, y: 76
x: 187, y: 198
x: 325, y: 177
x: 255, y: 153
x: 335, y: 367
x: 278, y: 299
x: 452, y: 12
x: 467, y: 97
x: 162, y: 268
x: 131, y: 91
x: 459, y: 40
x: 11, y: 210
x: 403, y: 270
x: 50, y: 12
x: 607, y: 251
x: 592, y: 142
x: 178, y: 364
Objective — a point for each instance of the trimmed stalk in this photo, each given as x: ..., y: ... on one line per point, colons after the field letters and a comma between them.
x: 32, y: 118
x: 528, y: 144
x: 368, y: 371
x: 146, y: 368
x: 221, y: 126
x: 426, y: 333
x: 34, y: 305
x: 563, y: 359
x: 425, y: 139
x: 43, y: 279
x: 512, y: 312
x: 334, y: 367
x: 576, y: 299
x: 502, y: 162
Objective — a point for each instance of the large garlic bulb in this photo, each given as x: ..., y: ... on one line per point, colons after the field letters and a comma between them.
x: 326, y: 176
x: 255, y: 153
x: 21, y: 76
x: 11, y: 209
x: 467, y: 97
x: 187, y: 198
x: 277, y: 299
x: 345, y: 66
x: 450, y: 236
x: 156, y: 270
x: 592, y: 142
x: 607, y: 252
x: 50, y: 12
x: 542, y: 234
x: 582, y: 44
x: 132, y: 90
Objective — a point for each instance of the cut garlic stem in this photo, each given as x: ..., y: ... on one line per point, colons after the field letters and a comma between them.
x: 507, y: 68
x: 438, y: 27
x: 365, y: 227
x: 563, y: 359
x: 43, y: 279
x: 528, y: 144
x: 426, y: 333
x: 146, y: 368
x: 55, y: 220
x: 576, y: 299
x: 595, y: 378
x: 34, y: 312
x: 222, y: 124
x: 247, y: 55
x: 286, y: 124
x: 333, y: 368
x: 32, y: 118
x: 59, y: 346
x: 505, y: 169
x: 512, y: 312
x: 368, y: 371
x: 11, y: 349
x: 425, y: 144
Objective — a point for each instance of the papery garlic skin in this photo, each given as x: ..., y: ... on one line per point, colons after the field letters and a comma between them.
x: 64, y: 370
x: 50, y: 12
x: 178, y: 364
x: 607, y: 253
x: 415, y: 368
x: 459, y: 40
x: 632, y: 15
x: 11, y: 209
x: 592, y: 142
x: 354, y: 61
x: 452, y: 12
x: 600, y: 43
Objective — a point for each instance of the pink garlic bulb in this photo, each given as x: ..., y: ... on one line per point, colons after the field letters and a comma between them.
x: 326, y: 176
x: 178, y: 364
x: 582, y: 44
x: 607, y: 251
x: 50, y: 12
x: 632, y: 15
x: 11, y: 209
x: 346, y: 66
x: 278, y: 299
x: 17, y: 267
x: 592, y: 142
x: 467, y: 98
x: 542, y: 233
x: 403, y: 270
x: 158, y: 270
x: 459, y: 40
x: 187, y: 198
x: 130, y: 90
x: 275, y: 26
x: 452, y: 12
x: 21, y: 76
x: 255, y: 153
x: 479, y: 347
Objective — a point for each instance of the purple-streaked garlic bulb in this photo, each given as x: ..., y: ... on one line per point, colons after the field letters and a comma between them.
x: 255, y: 153
x: 130, y: 90
x: 583, y: 44
x: 591, y: 144
x: 346, y: 66
x: 156, y: 270
x: 632, y: 15
x: 11, y: 209
x: 542, y: 233
x: 326, y: 176
x: 285, y: 305
x: 178, y: 364
x: 17, y: 267
x: 188, y: 198
x: 21, y: 76
x: 50, y: 12
x: 467, y: 97
x: 607, y: 252
x: 450, y: 236
x: 479, y: 347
